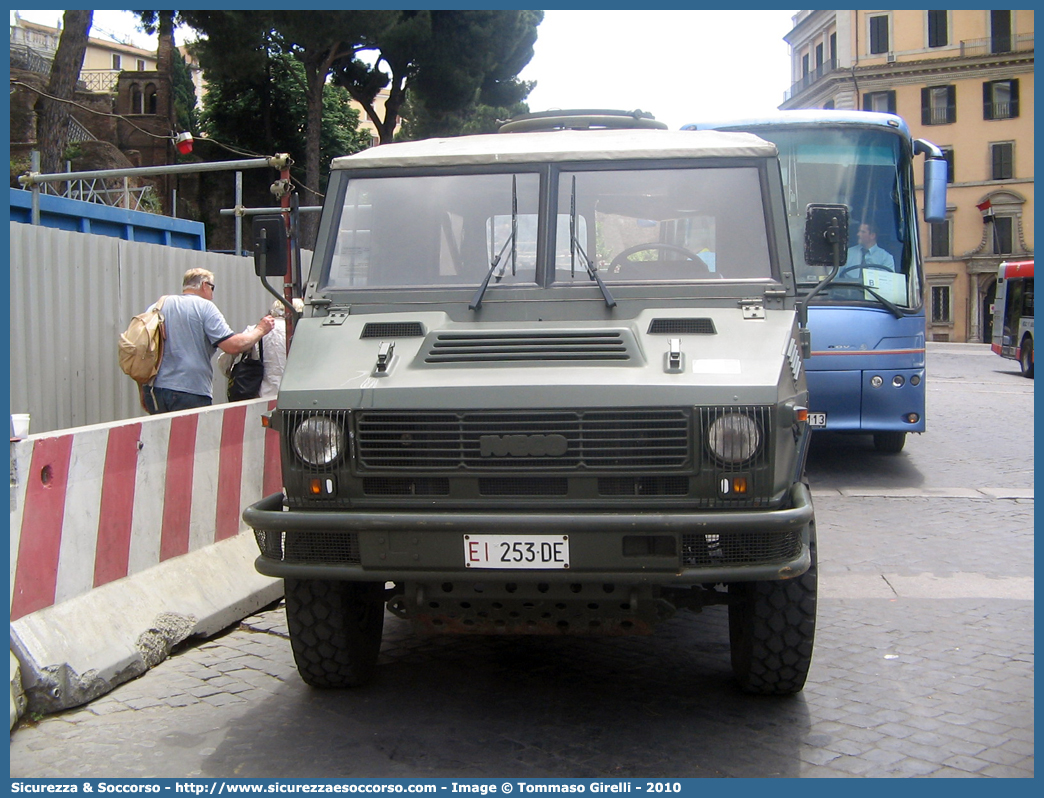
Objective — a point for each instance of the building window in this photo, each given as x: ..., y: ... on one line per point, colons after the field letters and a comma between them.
x: 1000, y: 99
x: 878, y: 35
x: 117, y: 61
x: 1000, y: 31
x: 833, y: 48
x: 141, y: 64
x: 941, y: 313
x: 938, y: 33
x: 805, y: 69
x: 1003, y: 235
x: 882, y: 101
x: 819, y: 55
x: 939, y: 233
x: 1002, y: 160
x: 938, y: 105
x: 950, y: 169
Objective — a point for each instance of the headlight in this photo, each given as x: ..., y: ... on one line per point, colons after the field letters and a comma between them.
x: 319, y: 440
x: 733, y: 438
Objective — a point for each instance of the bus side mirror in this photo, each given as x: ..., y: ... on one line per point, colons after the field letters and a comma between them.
x: 826, y: 228
x: 271, y: 245
x: 934, y: 190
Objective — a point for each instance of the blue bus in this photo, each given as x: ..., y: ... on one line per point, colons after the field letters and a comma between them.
x: 867, y: 366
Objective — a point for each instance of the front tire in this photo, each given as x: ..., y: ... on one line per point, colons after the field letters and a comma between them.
x: 889, y: 442
x: 335, y: 630
x: 772, y: 628
x: 1026, y: 358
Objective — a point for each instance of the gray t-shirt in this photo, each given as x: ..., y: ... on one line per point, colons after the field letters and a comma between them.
x: 194, y: 329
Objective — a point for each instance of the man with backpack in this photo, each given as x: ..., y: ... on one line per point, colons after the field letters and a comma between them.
x: 195, y: 329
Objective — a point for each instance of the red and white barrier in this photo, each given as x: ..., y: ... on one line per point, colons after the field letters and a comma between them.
x: 94, y: 505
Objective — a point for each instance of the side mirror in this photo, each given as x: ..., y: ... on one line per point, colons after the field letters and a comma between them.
x: 271, y: 246
x: 825, y: 227
x: 935, y: 190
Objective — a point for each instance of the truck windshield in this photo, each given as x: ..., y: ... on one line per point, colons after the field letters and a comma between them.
x: 439, y: 230
x: 665, y: 224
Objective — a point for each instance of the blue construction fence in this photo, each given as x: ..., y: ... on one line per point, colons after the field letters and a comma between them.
x: 91, y: 217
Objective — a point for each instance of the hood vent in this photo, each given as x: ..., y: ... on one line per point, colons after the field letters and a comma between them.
x: 522, y: 347
x: 682, y: 327
x: 392, y: 329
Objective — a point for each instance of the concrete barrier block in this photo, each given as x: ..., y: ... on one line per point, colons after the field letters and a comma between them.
x: 75, y: 651
x: 17, y: 693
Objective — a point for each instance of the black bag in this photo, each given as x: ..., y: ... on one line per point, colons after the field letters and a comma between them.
x: 246, y: 374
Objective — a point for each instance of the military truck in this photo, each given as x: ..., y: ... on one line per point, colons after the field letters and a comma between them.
x: 547, y: 382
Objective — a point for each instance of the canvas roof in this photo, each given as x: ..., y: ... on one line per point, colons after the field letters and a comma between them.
x: 559, y: 146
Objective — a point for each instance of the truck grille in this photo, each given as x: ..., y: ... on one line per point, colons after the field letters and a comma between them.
x: 309, y: 547
x: 606, y: 440
x: 740, y: 548
x: 520, y: 347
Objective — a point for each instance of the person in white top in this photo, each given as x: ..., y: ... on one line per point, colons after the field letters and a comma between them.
x: 273, y: 351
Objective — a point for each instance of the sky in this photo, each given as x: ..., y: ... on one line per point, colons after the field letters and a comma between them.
x: 681, y: 66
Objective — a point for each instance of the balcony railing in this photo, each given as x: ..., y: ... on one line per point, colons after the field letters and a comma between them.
x: 25, y: 57
x: 997, y: 44
x: 942, y: 115
x: 1001, y: 110
x: 807, y: 80
x: 101, y: 80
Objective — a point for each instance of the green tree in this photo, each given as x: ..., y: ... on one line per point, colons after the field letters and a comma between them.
x: 446, y: 65
x: 52, y: 110
x: 241, y: 41
x: 231, y: 114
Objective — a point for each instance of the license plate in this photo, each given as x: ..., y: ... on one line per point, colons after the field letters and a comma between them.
x: 516, y: 552
x: 817, y: 420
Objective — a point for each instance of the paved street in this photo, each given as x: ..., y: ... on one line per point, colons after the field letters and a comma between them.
x: 923, y: 663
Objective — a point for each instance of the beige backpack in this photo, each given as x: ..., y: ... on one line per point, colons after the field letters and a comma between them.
x: 141, y: 345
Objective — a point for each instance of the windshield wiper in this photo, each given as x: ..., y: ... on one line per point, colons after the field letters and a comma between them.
x: 512, y: 239
x: 574, y: 247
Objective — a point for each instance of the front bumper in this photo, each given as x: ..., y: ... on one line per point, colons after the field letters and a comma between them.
x: 709, y: 547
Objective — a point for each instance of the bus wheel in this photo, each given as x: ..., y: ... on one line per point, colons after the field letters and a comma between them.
x: 772, y: 627
x: 889, y: 442
x: 335, y: 630
x: 1026, y: 357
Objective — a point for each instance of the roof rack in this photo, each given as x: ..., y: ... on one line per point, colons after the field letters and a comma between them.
x: 581, y: 119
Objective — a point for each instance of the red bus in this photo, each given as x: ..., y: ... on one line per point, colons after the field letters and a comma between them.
x: 1013, y: 313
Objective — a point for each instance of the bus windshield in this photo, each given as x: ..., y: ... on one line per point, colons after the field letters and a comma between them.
x: 867, y: 171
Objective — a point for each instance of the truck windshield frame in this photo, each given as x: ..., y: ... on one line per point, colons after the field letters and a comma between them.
x: 637, y: 222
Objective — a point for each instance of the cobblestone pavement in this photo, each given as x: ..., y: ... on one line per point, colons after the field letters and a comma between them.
x: 923, y: 663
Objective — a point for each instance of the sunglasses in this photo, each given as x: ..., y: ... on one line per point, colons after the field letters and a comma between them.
x: 205, y: 282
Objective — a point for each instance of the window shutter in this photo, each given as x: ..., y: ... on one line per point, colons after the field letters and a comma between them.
x: 926, y: 106
x: 951, y: 104
x: 891, y: 102
x: 987, y: 100
x: 1014, y: 97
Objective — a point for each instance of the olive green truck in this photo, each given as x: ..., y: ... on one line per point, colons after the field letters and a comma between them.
x: 547, y: 382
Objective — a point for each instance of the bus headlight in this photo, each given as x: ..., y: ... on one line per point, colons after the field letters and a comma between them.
x: 733, y: 438
x: 319, y: 440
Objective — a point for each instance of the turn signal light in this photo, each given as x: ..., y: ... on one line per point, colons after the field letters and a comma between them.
x: 733, y: 486
x: 321, y: 486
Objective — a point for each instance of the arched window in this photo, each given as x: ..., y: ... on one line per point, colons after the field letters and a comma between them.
x: 150, y: 99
